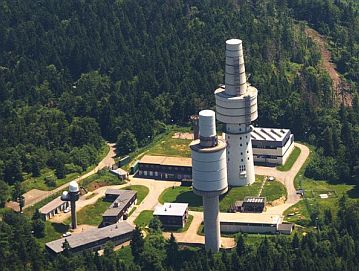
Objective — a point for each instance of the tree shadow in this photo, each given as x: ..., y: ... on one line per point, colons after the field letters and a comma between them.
x: 60, y: 227
x: 353, y: 193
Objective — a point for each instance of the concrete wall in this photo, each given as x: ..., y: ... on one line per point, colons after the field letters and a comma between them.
x: 233, y: 227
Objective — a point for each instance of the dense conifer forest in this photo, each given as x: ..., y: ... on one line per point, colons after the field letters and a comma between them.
x: 73, y: 73
x: 334, y: 246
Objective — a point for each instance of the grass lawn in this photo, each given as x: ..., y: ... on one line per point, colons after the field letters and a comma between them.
x: 273, y: 190
x: 182, y: 194
x: 184, y: 229
x: 157, y: 146
x: 291, y: 160
x: 91, y: 214
x: 300, y: 213
x: 238, y: 193
x: 144, y: 218
x: 53, y: 231
x: 142, y: 191
x: 171, y: 147
x: 39, y: 182
x: 186, y: 195
x: 99, y: 179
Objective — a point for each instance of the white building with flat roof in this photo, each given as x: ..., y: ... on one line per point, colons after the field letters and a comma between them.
x: 250, y: 222
x: 271, y: 146
x: 172, y: 214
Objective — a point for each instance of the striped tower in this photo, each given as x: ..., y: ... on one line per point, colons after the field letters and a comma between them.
x: 236, y: 107
x: 209, y: 174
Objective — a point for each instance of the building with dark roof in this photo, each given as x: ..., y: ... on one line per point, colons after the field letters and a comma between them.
x: 123, y: 200
x: 94, y: 239
x: 250, y: 205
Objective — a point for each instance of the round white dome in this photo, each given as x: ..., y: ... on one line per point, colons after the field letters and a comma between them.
x: 74, y: 187
x: 65, y: 193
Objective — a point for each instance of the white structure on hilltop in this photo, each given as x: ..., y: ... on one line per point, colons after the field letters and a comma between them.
x: 209, y: 174
x: 271, y: 146
x: 236, y: 107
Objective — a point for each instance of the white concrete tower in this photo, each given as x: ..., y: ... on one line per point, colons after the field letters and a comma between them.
x: 209, y: 174
x: 236, y: 106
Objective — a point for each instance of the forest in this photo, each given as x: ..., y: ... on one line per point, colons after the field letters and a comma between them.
x: 334, y: 246
x: 75, y: 73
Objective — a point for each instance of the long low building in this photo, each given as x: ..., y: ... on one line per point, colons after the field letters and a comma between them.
x: 53, y: 207
x: 253, y: 223
x: 94, y: 239
x: 123, y: 201
x: 165, y: 167
x: 271, y: 146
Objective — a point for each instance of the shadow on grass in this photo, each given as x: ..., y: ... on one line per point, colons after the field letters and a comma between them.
x: 190, y: 198
x: 60, y: 227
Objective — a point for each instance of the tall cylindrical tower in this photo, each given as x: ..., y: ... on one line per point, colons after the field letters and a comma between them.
x: 72, y: 196
x: 209, y: 174
x: 236, y: 106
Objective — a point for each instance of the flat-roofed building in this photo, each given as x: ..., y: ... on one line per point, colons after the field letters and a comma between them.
x: 123, y: 201
x: 253, y: 205
x: 94, y: 239
x: 120, y: 173
x: 53, y: 207
x: 165, y: 167
x: 172, y: 215
x: 249, y: 222
x: 271, y: 146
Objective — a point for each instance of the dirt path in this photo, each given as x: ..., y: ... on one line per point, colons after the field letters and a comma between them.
x: 338, y: 85
x: 32, y: 197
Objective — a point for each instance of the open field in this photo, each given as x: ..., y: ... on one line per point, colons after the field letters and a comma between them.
x: 144, y: 218
x: 142, y: 191
x: 91, y: 214
x: 171, y: 147
x: 158, y: 145
x: 273, y: 190
x: 186, y: 195
x: 239, y: 193
x: 300, y: 212
x: 291, y: 160
x: 182, y: 194
x: 101, y: 178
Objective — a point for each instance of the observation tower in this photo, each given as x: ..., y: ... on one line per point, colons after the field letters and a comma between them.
x: 72, y: 196
x: 209, y: 174
x: 236, y: 107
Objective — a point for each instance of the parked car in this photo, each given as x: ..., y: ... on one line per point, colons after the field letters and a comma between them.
x: 66, y: 234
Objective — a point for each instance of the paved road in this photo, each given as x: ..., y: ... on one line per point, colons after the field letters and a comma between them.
x: 106, y: 162
x: 285, y: 177
x: 149, y: 203
x: 156, y: 187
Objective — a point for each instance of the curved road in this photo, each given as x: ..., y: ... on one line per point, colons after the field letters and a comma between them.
x: 285, y: 177
x: 105, y: 162
x: 156, y: 187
